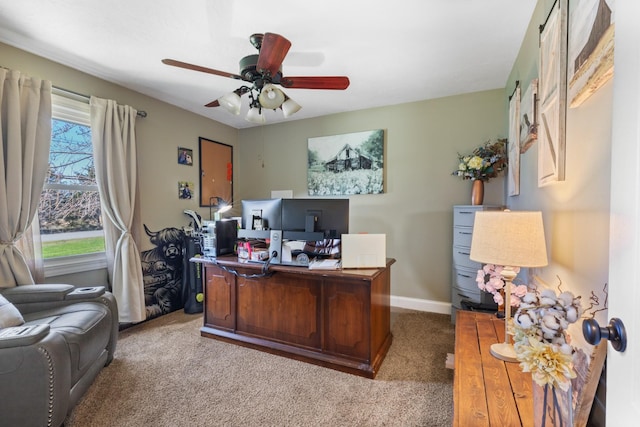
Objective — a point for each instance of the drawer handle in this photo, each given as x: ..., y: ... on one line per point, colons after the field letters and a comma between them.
x: 464, y: 275
x: 463, y: 296
x: 464, y: 253
x: 465, y: 212
x: 464, y: 232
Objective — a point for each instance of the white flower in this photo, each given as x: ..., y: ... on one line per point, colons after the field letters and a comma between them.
x: 547, y: 297
x: 540, y: 340
x: 572, y: 314
x: 566, y: 298
x: 525, y: 319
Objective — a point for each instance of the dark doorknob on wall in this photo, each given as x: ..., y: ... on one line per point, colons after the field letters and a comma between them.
x: 615, y: 333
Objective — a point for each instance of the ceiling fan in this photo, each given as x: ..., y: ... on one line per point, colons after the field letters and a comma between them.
x: 264, y: 72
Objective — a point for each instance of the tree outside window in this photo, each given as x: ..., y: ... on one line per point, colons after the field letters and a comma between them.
x: 69, y: 209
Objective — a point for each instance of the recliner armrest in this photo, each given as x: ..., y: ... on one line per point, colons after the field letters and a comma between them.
x: 26, y: 294
x: 20, y: 336
x: 85, y: 292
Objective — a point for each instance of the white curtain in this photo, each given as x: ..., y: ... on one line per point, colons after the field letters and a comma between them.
x: 25, y: 122
x: 114, y: 148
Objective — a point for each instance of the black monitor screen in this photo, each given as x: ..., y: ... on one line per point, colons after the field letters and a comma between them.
x: 262, y: 214
x: 329, y: 216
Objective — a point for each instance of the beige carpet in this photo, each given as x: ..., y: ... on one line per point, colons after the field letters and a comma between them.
x: 166, y: 374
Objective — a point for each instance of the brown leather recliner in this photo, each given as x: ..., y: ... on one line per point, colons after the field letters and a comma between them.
x: 46, y: 364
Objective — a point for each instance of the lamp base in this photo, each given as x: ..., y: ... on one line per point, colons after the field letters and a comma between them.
x: 504, y: 351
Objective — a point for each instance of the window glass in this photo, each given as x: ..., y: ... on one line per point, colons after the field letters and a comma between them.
x: 69, y: 209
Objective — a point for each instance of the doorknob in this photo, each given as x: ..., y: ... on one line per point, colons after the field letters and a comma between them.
x: 615, y: 333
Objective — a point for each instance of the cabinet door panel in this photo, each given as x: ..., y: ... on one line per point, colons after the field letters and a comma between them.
x: 284, y: 308
x: 347, y: 324
x: 219, y: 299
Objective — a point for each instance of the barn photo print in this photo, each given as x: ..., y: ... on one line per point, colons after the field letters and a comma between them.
x: 352, y: 163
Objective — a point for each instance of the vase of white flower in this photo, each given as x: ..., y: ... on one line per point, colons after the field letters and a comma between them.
x: 542, y: 347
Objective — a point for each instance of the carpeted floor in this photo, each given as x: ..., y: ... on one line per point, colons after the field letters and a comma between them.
x: 166, y: 374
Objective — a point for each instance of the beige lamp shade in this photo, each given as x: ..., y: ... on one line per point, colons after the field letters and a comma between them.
x: 509, y: 238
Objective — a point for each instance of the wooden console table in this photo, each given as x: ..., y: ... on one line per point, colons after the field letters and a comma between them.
x: 486, y: 390
x: 339, y: 319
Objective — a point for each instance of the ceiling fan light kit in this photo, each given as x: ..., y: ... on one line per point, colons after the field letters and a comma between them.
x: 289, y: 107
x: 264, y: 71
x: 255, y: 116
x: 230, y: 102
x: 271, y: 97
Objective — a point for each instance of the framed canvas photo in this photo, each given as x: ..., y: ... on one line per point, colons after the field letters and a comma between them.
x: 591, y: 46
x: 351, y: 163
x: 552, y: 95
x: 513, y: 144
x: 185, y: 156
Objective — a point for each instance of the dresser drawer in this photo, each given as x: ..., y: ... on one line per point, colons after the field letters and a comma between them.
x: 462, y: 236
x: 463, y: 216
x: 461, y: 259
x: 465, y: 278
x: 458, y: 295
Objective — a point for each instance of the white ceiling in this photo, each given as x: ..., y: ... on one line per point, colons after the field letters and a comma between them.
x: 392, y: 51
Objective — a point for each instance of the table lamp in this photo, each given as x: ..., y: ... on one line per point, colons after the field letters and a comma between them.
x: 221, y: 206
x: 509, y: 239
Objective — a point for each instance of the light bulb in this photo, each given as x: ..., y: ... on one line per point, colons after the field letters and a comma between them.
x: 271, y: 97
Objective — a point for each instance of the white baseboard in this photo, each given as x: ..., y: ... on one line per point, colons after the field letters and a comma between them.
x: 421, y: 304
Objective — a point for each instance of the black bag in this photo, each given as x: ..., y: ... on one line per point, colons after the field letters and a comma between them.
x: 192, y: 291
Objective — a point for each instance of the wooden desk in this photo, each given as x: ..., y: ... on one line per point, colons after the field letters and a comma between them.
x: 339, y: 319
x: 486, y: 390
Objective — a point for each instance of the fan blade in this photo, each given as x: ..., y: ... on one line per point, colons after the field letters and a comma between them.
x: 213, y: 104
x: 188, y: 66
x: 274, y: 49
x: 328, y: 82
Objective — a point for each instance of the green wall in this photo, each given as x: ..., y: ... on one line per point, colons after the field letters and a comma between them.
x: 158, y: 137
x: 576, y: 210
x: 422, y: 140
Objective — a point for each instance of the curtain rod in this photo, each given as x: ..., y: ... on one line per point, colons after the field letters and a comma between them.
x: 79, y: 96
x: 86, y: 98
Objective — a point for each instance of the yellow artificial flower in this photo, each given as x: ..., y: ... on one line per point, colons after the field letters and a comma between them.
x: 475, y: 162
x: 547, y: 363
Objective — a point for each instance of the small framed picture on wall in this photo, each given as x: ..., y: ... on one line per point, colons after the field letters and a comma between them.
x: 185, y: 190
x: 185, y: 156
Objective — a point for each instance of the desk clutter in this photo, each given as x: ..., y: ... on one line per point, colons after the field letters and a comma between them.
x: 293, y: 232
x: 351, y: 251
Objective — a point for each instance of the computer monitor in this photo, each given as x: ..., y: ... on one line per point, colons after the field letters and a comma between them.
x: 315, y: 219
x: 259, y: 216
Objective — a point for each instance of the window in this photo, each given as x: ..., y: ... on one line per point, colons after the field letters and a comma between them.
x: 69, y: 209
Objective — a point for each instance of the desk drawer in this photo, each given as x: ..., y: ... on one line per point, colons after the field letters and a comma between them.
x: 461, y: 258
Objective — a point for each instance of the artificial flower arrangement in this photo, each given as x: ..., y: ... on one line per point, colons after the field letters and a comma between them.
x: 490, y: 280
x: 485, y: 162
x: 541, y: 341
